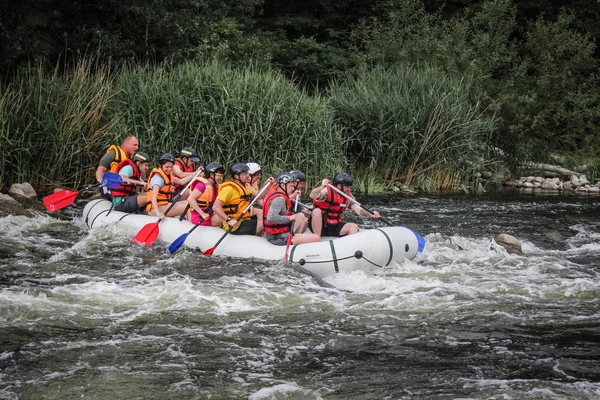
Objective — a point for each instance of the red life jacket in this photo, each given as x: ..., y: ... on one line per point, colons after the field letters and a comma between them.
x: 184, y: 168
x: 275, y: 229
x: 125, y: 189
x: 333, y: 207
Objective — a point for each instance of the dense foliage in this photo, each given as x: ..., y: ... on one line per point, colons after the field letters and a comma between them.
x: 527, y: 72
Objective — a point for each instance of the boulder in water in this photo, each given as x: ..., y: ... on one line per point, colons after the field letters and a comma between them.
x: 24, y: 190
x: 11, y: 206
x: 510, y: 243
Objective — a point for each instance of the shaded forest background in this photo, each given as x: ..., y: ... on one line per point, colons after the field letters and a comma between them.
x: 531, y: 66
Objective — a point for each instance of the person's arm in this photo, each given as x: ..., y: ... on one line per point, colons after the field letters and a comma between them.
x: 192, y: 200
x: 320, y: 193
x: 358, y: 210
x: 276, y: 209
x: 104, y: 166
x: 154, y: 201
x: 126, y: 173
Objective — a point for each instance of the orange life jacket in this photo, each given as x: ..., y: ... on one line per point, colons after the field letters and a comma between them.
x: 165, y: 193
x: 275, y: 229
x: 184, y: 168
x: 207, y: 198
x: 333, y: 206
x: 125, y: 189
x: 235, y: 207
x: 120, y: 155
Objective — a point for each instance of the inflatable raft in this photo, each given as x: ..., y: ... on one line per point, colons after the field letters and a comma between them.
x: 366, y: 250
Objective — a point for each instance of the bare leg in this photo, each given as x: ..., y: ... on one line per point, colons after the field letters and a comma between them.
x: 177, y: 209
x: 300, y: 224
x: 300, y: 238
x: 349, y: 228
x: 317, y: 221
x: 259, y: 224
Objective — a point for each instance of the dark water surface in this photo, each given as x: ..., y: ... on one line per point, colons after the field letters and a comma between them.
x: 84, y: 314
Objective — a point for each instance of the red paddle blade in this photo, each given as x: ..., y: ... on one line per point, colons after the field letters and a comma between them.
x: 287, y: 249
x: 148, y: 234
x: 210, y: 251
x: 58, y: 200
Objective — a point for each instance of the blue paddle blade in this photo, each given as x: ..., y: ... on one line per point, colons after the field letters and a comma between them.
x: 420, y: 241
x: 111, y: 180
x: 176, y: 245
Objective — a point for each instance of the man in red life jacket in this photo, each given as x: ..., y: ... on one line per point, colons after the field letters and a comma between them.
x: 329, y: 206
x: 113, y: 157
x: 278, y: 217
x: 185, y: 165
x: 133, y: 172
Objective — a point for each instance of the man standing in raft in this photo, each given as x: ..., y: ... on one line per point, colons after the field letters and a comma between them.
x: 162, y: 187
x: 203, y: 194
x: 278, y: 217
x: 113, y: 157
x: 233, y: 198
x: 133, y: 172
x: 329, y: 206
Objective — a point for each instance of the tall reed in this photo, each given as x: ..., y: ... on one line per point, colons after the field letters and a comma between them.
x: 414, y: 125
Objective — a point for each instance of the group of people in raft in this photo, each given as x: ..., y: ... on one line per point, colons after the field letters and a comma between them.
x: 212, y: 202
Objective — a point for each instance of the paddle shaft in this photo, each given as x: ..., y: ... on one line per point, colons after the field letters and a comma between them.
x: 178, y: 195
x: 357, y: 203
x: 289, y: 241
x: 212, y: 249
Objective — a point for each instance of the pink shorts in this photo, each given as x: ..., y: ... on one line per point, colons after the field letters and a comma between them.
x: 196, y: 218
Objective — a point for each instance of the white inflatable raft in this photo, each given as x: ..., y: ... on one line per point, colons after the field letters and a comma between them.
x: 368, y: 249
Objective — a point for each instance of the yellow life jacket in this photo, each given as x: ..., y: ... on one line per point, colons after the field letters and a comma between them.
x: 165, y: 193
x: 120, y: 155
x: 235, y: 207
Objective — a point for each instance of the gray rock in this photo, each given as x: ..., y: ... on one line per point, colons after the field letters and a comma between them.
x: 24, y: 190
x: 11, y: 206
x: 510, y: 243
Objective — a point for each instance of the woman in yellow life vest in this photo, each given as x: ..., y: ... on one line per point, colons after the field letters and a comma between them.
x: 203, y: 193
x: 233, y: 198
x: 161, y: 184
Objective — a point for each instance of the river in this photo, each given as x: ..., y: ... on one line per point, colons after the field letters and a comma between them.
x: 86, y: 314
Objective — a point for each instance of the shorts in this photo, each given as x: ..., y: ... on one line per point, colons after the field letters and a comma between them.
x: 330, y: 230
x: 278, y: 240
x: 247, y: 227
x: 197, y: 219
x: 162, y: 209
x: 129, y: 205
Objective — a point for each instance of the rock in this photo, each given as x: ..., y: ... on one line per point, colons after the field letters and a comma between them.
x: 594, y: 189
x: 555, y: 236
x: 510, y: 243
x: 24, y: 190
x: 11, y: 206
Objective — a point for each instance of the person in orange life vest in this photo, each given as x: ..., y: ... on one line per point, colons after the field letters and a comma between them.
x: 125, y: 197
x: 278, y: 217
x: 113, y: 157
x: 326, y: 217
x: 234, y: 197
x: 161, y: 185
x: 185, y: 165
x: 203, y: 195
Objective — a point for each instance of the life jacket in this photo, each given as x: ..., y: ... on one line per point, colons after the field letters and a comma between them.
x: 165, y: 193
x: 184, y: 168
x: 234, y: 208
x: 125, y: 189
x: 207, y: 198
x: 275, y: 229
x: 120, y: 155
x: 333, y: 207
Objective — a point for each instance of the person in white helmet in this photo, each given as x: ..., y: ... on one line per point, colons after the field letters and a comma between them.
x: 255, y: 173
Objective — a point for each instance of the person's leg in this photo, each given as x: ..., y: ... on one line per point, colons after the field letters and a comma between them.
x: 177, y: 209
x: 316, y: 222
x: 300, y: 224
x: 300, y: 238
x: 349, y: 228
x: 259, y: 222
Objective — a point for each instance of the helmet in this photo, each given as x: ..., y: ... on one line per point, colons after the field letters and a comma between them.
x: 166, y: 157
x: 238, y: 168
x: 298, y: 176
x: 213, y: 167
x: 189, y: 153
x: 284, y: 178
x: 141, y: 157
x: 343, y: 178
x: 253, y: 168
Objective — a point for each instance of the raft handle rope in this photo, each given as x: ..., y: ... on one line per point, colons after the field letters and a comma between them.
x: 357, y: 254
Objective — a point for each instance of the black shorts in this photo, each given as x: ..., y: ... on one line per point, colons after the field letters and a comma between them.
x: 247, y: 227
x: 129, y: 205
x: 330, y: 230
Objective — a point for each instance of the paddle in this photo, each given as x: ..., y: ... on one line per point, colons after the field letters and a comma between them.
x: 420, y: 239
x: 111, y: 180
x: 210, y: 251
x: 148, y: 234
x: 289, y: 241
x: 177, y: 243
x: 64, y: 198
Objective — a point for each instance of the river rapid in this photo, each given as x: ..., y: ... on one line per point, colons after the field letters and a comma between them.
x: 86, y: 314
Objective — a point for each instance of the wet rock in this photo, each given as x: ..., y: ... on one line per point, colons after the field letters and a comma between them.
x: 555, y: 236
x: 11, y: 206
x: 22, y: 190
x: 510, y: 243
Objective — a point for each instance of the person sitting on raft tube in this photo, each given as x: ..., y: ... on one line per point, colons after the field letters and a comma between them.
x: 203, y: 195
x: 113, y: 157
x: 329, y: 206
x: 234, y: 197
x: 278, y: 217
x: 255, y: 173
x: 162, y: 187
x: 133, y: 172
x: 185, y: 165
